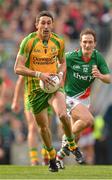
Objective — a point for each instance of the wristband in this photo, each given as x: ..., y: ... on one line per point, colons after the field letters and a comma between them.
x: 37, y: 74
x: 61, y: 73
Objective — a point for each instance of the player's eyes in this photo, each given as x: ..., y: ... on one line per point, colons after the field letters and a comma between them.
x: 89, y: 42
x: 42, y: 23
x: 84, y: 42
x: 49, y: 22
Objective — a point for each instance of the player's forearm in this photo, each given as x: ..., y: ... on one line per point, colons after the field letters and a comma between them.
x: 62, y: 72
x: 18, y: 89
x: 20, y: 67
x: 106, y: 78
x: 3, y: 92
x: 24, y: 71
x: 62, y: 67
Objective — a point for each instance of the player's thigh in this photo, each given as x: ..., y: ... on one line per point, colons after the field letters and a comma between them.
x: 58, y: 103
x: 30, y: 117
x: 81, y: 112
x: 42, y: 118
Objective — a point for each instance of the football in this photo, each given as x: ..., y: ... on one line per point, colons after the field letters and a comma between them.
x: 48, y: 88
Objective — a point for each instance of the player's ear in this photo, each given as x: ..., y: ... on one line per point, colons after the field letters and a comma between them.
x: 80, y: 43
x: 53, y: 25
x: 95, y: 44
x: 36, y: 25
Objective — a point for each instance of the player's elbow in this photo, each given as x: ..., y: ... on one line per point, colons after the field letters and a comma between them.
x: 16, y: 69
x: 108, y: 79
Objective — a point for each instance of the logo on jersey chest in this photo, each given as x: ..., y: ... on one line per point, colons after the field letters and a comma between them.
x: 85, y: 68
x: 76, y: 67
x: 51, y: 51
x: 37, y: 50
x: 83, y: 77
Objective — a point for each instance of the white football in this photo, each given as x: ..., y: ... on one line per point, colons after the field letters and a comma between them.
x: 48, y: 88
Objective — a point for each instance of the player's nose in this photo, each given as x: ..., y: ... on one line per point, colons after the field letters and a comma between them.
x: 46, y: 26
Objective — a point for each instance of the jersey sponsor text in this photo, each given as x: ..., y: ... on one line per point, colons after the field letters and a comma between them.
x: 83, y: 77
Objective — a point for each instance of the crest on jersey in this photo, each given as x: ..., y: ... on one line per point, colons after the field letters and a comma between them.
x: 76, y: 67
x: 53, y: 49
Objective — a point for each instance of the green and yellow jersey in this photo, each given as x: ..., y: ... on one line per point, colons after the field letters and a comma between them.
x: 41, y: 56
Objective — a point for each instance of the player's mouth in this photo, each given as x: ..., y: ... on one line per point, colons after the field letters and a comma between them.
x: 88, y: 49
x: 46, y: 31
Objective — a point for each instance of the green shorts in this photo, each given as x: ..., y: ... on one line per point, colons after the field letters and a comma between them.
x: 50, y: 111
x: 27, y: 105
x: 37, y: 101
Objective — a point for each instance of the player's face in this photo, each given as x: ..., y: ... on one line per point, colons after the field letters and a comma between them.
x: 44, y: 26
x: 87, y: 44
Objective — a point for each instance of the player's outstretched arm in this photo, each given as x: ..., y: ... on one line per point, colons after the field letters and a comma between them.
x: 17, y: 94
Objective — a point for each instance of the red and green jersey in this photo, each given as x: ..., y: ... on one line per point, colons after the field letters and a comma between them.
x: 41, y: 56
x: 79, y: 73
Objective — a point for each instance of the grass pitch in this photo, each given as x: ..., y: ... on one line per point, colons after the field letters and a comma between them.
x: 70, y: 172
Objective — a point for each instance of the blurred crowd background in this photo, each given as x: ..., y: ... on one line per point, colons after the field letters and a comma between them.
x: 17, y: 19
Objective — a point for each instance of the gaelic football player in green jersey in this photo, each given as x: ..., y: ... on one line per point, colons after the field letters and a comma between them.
x: 83, y: 66
x: 38, y: 58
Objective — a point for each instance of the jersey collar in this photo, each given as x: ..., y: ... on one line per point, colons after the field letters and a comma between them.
x: 51, y: 34
x: 81, y: 55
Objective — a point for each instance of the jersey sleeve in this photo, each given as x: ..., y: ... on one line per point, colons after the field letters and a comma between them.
x: 62, y: 49
x: 102, y: 65
x: 68, y: 58
x: 24, y: 47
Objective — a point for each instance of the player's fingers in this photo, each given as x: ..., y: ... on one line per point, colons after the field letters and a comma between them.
x: 52, y: 74
x: 49, y: 81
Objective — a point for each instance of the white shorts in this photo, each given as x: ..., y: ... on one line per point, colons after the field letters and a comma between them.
x: 72, y: 102
x: 86, y: 140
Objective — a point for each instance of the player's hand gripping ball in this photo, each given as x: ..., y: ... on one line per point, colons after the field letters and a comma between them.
x: 48, y: 88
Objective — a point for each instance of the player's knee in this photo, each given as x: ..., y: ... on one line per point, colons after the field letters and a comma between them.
x: 32, y: 128
x: 44, y: 129
x: 63, y: 117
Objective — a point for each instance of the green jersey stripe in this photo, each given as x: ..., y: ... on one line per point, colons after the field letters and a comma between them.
x: 55, y: 42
